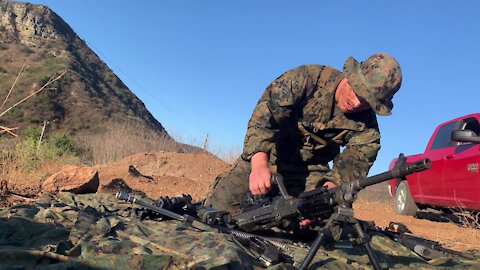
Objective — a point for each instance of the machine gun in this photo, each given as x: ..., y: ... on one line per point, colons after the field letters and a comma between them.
x: 333, y: 205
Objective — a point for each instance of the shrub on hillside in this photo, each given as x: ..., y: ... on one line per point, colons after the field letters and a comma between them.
x: 58, y: 145
x: 26, y: 50
x: 26, y: 154
x: 30, y: 151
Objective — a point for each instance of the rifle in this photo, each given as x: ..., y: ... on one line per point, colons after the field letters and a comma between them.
x: 265, y: 249
x: 333, y: 205
x: 427, y: 249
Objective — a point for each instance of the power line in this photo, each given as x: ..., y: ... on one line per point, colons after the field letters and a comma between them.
x: 140, y: 87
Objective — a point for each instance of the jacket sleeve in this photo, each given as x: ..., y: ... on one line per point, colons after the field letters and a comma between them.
x: 275, y: 108
x: 357, y: 157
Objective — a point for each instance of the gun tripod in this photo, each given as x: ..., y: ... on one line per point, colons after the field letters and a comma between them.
x: 342, y: 217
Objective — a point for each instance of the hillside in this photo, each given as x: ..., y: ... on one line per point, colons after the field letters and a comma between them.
x: 88, y: 98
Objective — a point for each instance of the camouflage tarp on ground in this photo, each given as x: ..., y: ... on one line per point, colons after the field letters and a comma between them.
x: 68, y: 231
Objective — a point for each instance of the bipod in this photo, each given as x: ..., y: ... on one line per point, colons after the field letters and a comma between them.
x: 342, y: 217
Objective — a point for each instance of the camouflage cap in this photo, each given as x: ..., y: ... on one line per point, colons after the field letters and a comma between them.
x: 376, y: 80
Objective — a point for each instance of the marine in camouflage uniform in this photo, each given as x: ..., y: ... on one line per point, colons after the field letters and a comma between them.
x: 301, y: 127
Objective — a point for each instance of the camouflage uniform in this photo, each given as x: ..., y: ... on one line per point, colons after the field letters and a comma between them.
x: 298, y: 124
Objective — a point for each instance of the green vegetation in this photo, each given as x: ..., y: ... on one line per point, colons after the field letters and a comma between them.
x: 43, y: 71
x: 30, y: 151
x: 99, y: 130
x: 81, y: 126
x: 26, y: 50
x: 52, y: 65
x: 15, y: 114
x: 30, y: 119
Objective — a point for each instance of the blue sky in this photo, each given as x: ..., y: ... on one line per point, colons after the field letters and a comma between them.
x: 200, y: 66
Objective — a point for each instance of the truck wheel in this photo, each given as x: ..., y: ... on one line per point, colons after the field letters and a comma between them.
x: 404, y: 204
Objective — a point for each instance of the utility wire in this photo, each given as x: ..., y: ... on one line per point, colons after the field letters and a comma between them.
x: 155, y: 98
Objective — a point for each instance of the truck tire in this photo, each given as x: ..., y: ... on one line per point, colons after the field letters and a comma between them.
x: 404, y: 204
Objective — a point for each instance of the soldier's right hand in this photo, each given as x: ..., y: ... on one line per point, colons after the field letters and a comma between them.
x: 259, y: 180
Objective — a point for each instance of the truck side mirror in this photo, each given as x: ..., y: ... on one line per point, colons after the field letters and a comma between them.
x: 466, y: 135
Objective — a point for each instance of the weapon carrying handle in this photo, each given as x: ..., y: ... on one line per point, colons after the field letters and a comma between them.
x: 277, y: 179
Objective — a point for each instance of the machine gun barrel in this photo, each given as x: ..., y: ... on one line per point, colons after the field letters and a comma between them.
x: 347, y: 191
x: 395, y: 172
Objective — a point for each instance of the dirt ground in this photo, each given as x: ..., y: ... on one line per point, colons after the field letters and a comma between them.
x: 428, y: 224
x: 165, y: 173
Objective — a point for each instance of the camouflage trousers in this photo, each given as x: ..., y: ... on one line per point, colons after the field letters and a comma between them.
x: 228, y: 188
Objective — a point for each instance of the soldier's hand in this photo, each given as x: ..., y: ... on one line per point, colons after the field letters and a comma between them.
x: 329, y: 184
x: 309, y: 222
x: 259, y: 180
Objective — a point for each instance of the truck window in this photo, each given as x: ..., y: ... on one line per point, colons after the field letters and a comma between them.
x: 442, y: 139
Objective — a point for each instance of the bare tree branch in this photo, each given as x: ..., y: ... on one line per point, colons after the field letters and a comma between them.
x: 51, y: 80
x: 13, y: 85
x: 8, y: 130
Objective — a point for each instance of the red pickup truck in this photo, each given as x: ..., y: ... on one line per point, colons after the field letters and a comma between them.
x: 453, y: 181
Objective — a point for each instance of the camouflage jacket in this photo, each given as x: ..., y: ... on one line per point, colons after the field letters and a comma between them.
x: 298, y: 124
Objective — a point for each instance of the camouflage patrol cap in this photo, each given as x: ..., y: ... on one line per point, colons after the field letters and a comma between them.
x: 376, y: 80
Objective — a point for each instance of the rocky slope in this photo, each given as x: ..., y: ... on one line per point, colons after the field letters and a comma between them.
x: 88, y: 97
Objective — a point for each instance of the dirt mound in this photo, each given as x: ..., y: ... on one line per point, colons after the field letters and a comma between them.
x: 165, y: 173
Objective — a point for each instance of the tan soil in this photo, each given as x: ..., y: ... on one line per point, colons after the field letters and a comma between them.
x: 173, y: 174
x: 449, y: 234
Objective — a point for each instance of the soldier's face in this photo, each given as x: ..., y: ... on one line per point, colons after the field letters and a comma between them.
x: 347, y: 100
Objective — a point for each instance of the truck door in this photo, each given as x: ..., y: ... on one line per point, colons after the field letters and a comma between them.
x: 440, y: 149
x: 461, y: 172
